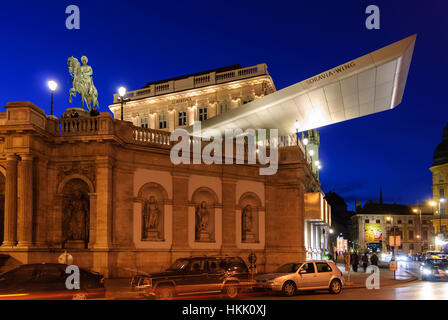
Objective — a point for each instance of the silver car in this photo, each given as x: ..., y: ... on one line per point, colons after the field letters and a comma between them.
x: 309, y: 275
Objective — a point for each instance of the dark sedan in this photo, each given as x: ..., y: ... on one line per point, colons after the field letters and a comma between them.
x: 433, y: 269
x: 47, y: 281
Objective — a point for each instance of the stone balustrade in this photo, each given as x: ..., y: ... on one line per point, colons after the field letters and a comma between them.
x: 193, y: 82
x: 104, y: 127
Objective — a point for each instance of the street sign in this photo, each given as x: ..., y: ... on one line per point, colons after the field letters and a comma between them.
x: 394, y: 241
x: 393, y: 265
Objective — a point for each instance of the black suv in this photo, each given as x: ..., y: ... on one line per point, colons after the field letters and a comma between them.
x: 196, y: 275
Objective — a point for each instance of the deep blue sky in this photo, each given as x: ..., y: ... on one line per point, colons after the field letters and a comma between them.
x: 134, y: 42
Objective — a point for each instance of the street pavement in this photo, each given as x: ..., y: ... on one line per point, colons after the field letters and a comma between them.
x: 405, y: 286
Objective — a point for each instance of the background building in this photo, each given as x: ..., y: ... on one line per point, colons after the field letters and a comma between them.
x: 372, y: 226
x: 439, y: 170
x: 179, y: 102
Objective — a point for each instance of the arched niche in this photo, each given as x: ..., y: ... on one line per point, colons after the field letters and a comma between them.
x: 2, y: 203
x: 205, y: 202
x: 249, y: 206
x: 153, y: 198
x: 76, y: 205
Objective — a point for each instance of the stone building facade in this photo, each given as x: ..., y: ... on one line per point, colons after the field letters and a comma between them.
x: 178, y: 102
x: 439, y: 170
x: 107, y: 192
x: 373, y: 223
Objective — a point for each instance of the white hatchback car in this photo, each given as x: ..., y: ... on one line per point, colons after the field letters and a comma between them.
x: 309, y: 275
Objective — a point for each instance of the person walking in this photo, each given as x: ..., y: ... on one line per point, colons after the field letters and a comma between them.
x: 365, y: 261
x: 374, y: 259
x: 355, y: 261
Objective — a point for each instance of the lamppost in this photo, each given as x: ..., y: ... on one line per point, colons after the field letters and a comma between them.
x: 419, y: 211
x: 305, y: 143
x: 297, y: 126
x: 122, y: 99
x: 52, y: 85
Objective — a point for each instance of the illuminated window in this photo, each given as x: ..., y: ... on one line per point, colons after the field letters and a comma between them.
x: 162, y: 121
x: 202, y: 114
x: 144, y: 122
x: 182, y: 118
x: 224, y: 107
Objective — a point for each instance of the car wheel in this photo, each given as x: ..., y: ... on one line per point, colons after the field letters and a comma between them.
x: 231, y: 290
x: 289, y: 288
x: 335, y: 286
x: 165, y: 293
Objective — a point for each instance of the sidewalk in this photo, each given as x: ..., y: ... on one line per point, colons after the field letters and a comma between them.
x: 358, y: 279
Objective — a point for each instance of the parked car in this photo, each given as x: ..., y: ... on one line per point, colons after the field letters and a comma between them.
x: 196, y: 275
x: 432, y: 269
x: 309, y: 275
x: 48, y: 281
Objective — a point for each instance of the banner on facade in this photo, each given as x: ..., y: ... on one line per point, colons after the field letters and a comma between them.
x: 373, y: 232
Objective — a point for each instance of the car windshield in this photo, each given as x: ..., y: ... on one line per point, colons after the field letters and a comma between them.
x: 289, y: 268
x: 437, y: 262
x: 178, y: 265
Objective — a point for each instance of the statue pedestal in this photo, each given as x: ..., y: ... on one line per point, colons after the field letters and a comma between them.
x: 204, y: 236
x: 249, y: 237
x: 152, y: 235
x: 82, y: 113
x: 75, y: 244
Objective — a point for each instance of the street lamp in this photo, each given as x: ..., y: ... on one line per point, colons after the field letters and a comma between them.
x: 441, y: 200
x: 122, y: 99
x: 297, y: 126
x: 52, y: 85
x: 419, y: 211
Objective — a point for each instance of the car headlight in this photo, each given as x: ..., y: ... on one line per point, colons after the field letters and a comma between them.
x: 426, y: 271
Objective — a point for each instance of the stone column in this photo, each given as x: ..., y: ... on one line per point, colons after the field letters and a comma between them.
x: 180, y: 210
x: 25, y: 213
x: 228, y: 213
x: 103, y: 236
x: 10, y: 227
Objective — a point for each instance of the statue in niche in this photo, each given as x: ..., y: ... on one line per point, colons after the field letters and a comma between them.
x: 202, y: 218
x: 151, y: 214
x: 247, y: 224
x: 77, y: 209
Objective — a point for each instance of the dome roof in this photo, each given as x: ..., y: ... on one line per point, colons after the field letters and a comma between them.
x: 441, y: 152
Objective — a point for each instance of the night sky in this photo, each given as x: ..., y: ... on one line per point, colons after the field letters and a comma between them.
x: 133, y: 42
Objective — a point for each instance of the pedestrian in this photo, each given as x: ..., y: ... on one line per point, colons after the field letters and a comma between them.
x: 336, y: 256
x: 94, y: 112
x: 374, y: 259
x: 74, y: 114
x: 355, y: 261
x: 365, y: 261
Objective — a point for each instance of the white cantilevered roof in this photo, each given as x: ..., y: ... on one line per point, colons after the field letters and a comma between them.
x: 372, y: 83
